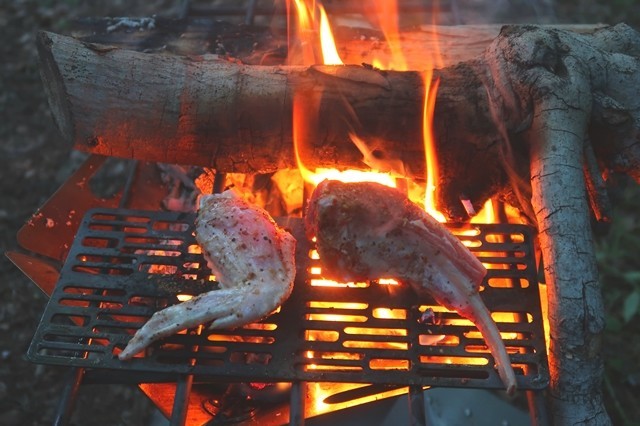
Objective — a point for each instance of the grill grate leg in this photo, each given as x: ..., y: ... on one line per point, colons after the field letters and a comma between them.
x: 181, y: 400
x: 417, y: 415
x: 537, y: 408
x: 296, y: 403
x: 68, y: 398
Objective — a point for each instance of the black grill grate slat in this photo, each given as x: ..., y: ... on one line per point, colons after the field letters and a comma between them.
x: 124, y: 265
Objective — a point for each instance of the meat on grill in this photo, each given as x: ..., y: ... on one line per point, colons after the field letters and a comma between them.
x: 366, y: 231
x: 252, y: 258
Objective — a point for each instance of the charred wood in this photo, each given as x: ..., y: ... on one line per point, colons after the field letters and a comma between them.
x: 213, y: 112
x: 232, y: 117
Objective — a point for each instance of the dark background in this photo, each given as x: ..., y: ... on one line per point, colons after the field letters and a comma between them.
x: 35, y: 161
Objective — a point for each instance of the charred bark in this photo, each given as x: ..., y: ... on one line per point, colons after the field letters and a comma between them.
x: 236, y: 118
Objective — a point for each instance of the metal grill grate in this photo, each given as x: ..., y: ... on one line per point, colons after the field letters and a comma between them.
x: 124, y: 265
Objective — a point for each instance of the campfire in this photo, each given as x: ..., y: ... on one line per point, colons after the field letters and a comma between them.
x: 488, y: 138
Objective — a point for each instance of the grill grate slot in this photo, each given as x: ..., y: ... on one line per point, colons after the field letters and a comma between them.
x: 124, y: 265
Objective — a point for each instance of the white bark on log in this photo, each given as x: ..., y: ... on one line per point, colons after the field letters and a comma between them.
x: 234, y: 117
x: 551, y: 67
x: 576, y: 313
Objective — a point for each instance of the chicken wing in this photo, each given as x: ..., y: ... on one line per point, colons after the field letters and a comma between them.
x: 252, y: 258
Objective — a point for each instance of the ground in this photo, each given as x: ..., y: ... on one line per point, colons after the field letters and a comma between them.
x: 34, y: 161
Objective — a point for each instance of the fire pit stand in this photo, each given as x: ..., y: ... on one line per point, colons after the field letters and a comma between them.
x: 123, y: 264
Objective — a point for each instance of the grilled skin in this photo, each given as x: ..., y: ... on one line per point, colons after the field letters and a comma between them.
x: 366, y: 231
x: 252, y: 258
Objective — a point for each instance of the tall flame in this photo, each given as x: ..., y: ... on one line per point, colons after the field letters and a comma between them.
x: 305, y: 107
x: 305, y: 54
x: 330, y: 54
x: 315, y: 44
x: 385, y: 15
x: 313, y: 21
x: 430, y: 90
x: 308, y: 27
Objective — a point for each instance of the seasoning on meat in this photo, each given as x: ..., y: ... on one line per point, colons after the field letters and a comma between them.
x: 252, y: 258
x: 366, y: 231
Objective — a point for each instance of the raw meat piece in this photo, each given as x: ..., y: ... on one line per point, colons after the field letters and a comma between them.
x: 366, y: 231
x: 252, y: 258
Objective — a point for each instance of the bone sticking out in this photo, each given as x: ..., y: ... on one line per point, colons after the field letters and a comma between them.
x: 366, y: 231
x: 252, y: 258
x: 468, y: 206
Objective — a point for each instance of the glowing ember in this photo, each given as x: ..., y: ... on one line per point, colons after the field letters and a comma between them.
x: 321, y: 174
x: 386, y: 313
x: 330, y: 283
x: 319, y: 392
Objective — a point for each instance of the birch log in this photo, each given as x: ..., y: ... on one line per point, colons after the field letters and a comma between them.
x: 237, y: 118
x: 565, y: 80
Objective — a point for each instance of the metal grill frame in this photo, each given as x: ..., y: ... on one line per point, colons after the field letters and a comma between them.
x: 105, y: 283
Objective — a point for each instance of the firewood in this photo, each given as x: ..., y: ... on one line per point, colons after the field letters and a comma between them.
x: 232, y: 117
x: 213, y: 112
x: 561, y: 110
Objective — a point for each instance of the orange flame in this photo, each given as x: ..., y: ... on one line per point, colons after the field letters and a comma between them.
x: 317, y: 45
x: 330, y: 54
x: 308, y: 26
x: 430, y: 90
x: 385, y: 14
x: 305, y: 33
x: 315, y: 35
x: 305, y: 106
x: 486, y: 215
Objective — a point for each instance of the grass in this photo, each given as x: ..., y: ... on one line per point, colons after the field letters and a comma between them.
x: 619, y: 265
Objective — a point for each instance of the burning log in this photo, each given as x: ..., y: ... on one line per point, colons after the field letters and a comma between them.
x: 236, y: 118
x: 539, y: 110
x: 212, y: 112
